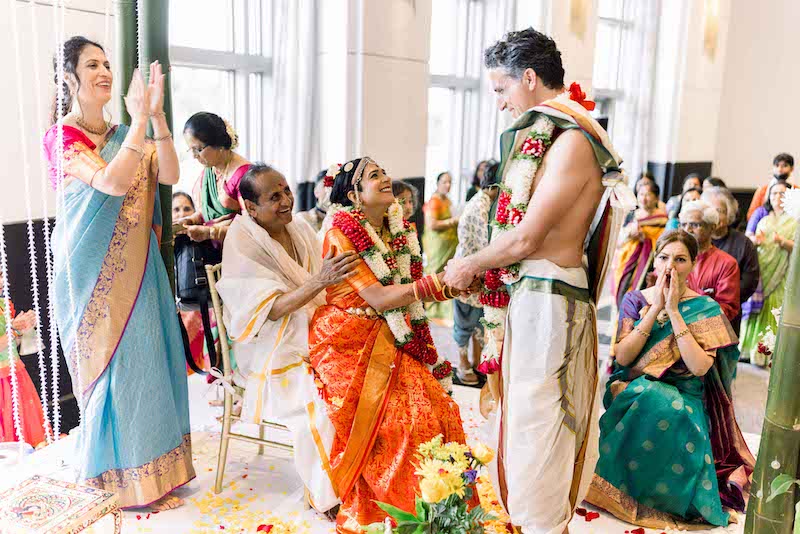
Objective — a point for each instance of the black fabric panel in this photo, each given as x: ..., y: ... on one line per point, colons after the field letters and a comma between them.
x: 21, y: 283
x: 304, y: 197
x: 669, y: 176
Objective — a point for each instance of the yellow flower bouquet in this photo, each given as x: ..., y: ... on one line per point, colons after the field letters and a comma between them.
x: 448, y: 473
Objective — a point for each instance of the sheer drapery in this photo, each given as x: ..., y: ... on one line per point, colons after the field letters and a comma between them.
x: 631, y: 122
x: 294, y: 129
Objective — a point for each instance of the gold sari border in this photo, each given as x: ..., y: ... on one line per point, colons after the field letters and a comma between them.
x: 252, y: 323
x: 142, y: 485
x: 323, y: 454
x: 263, y: 375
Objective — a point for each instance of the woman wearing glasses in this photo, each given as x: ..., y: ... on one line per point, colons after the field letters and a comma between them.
x: 212, y: 142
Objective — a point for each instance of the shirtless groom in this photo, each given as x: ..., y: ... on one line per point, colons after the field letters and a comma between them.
x: 554, y: 159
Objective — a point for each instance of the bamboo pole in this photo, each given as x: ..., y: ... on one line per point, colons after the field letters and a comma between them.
x: 126, y: 53
x: 154, y: 45
x: 780, y: 435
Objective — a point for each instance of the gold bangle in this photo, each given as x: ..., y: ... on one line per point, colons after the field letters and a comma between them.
x: 641, y: 332
x: 159, y: 114
x: 211, y: 233
x: 135, y: 148
x: 164, y: 138
x: 416, y: 293
x: 436, y: 283
x: 681, y: 333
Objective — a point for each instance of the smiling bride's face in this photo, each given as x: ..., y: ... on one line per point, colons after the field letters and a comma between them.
x: 375, y: 188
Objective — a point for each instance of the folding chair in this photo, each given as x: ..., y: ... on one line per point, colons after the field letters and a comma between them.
x: 213, y: 273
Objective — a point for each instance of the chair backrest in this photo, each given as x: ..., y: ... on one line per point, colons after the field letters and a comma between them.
x: 214, y: 272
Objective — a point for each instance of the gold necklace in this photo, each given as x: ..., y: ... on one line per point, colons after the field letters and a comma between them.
x: 84, y: 126
x: 225, y: 170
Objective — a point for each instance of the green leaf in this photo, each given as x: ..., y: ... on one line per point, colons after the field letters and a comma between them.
x: 797, y: 518
x: 422, y: 509
x: 400, y: 515
x: 781, y: 484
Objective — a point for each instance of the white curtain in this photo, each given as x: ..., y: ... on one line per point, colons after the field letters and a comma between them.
x: 631, y: 122
x: 294, y: 127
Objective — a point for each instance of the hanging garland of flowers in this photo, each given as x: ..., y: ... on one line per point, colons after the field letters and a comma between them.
x: 512, y: 204
x: 398, y: 263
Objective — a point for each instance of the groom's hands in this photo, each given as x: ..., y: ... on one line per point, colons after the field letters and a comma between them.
x: 459, y: 274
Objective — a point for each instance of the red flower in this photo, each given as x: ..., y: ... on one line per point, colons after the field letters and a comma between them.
x: 443, y: 370
x: 353, y: 231
x: 577, y: 94
x: 264, y: 528
x: 492, y: 280
x: 515, y: 216
x: 533, y: 147
x: 327, y: 181
x: 502, y: 208
x: 495, y: 299
x: 489, y: 367
x: 591, y: 516
x: 391, y: 263
x: 762, y: 349
x: 416, y: 270
x: 399, y: 242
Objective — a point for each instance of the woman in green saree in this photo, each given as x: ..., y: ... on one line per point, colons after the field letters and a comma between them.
x: 774, y: 241
x: 440, y: 239
x: 212, y: 141
x: 671, y: 453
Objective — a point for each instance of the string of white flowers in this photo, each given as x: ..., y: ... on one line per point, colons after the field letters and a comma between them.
x: 10, y: 342
x: 77, y: 388
x: 48, y: 261
x: 26, y: 178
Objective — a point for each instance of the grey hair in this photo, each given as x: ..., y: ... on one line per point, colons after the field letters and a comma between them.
x: 731, y: 204
x: 709, y: 214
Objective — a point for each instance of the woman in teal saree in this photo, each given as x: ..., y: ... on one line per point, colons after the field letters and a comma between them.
x: 114, y: 307
x: 671, y: 453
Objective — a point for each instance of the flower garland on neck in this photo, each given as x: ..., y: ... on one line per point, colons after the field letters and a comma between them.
x: 512, y: 204
x: 398, y: 263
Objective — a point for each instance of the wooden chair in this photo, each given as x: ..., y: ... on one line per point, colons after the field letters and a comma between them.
x: 213, y: 273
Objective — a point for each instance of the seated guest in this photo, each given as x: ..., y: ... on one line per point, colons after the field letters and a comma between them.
x: 316, y: 215
x: 782, y: 167
x: 690, y: 195
x: 273, y: 274
x: 716, y: 273
x: 408, y: 197
x: 735, y: 243
x: 692, y: 181
x: 671, y: 452
x: 473, y: 235
x: 646, y: 177
x: 379, y: 375
x: 31, y: 417
x: 212, y: 141
x: 713, y: 181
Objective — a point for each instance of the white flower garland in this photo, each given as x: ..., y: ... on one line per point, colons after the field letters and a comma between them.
x: 377, y: 263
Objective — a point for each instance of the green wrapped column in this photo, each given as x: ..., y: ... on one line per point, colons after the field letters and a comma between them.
x: 127, y: 54
x: 154, y: 45
x: 780, y: 437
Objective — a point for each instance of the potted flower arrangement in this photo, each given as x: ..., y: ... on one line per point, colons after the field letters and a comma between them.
x: 448, y: 474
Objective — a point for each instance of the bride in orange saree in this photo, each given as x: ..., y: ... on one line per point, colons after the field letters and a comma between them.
x: 370, y: 346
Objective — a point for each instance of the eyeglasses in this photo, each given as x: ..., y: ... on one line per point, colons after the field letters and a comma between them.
x: 692, y: 225
x: 196, y: 151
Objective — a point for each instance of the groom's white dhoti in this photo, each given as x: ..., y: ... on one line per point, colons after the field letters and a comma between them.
x: 272, y: 355
x: 547, y: 419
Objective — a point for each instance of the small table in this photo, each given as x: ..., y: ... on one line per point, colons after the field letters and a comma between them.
x: 42, y: 505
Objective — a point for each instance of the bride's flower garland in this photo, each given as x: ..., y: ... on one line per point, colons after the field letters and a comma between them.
x: 512, y: 204
x: 398, y: 263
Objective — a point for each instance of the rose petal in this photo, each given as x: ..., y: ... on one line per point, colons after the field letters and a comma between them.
x: 264, y: 528
x: 581, y: 512
x: 637, y: 531
x: 591, y: 516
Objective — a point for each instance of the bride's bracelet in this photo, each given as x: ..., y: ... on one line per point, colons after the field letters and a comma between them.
x: 135, y: 148
x: 425, y: 287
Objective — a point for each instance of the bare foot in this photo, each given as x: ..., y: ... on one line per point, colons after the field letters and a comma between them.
x: 167, y: 502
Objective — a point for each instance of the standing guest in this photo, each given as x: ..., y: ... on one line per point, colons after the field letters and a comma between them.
x: 440, y: 239
x: 473, y: 236
x: 671, y: 452
x: 690, y: 195
x: 408, y: 197
x: 735, y: 243
x: 639, y: 236
x: 477, y: 178
x: 692, y: 181
x: 316, y: 215
x: 774, y: 239
x: 127, y: 361
x: 716, y: 273
x: 212, y: 141
x: 376, y: 375
x: 31, y: 417
x: 782, y: 167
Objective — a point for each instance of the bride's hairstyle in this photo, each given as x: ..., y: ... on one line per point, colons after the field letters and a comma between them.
x: 343, y: 183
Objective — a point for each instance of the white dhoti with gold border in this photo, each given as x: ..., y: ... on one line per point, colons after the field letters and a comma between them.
x: 546, y: 429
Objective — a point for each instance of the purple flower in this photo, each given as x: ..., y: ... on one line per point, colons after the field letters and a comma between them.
x: 470, y: 476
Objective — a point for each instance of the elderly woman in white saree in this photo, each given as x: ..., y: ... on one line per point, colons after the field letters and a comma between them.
x: 272, y: 276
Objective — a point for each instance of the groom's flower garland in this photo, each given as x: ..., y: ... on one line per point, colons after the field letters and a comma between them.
x: 398, y: 263
x: 512, y: 204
